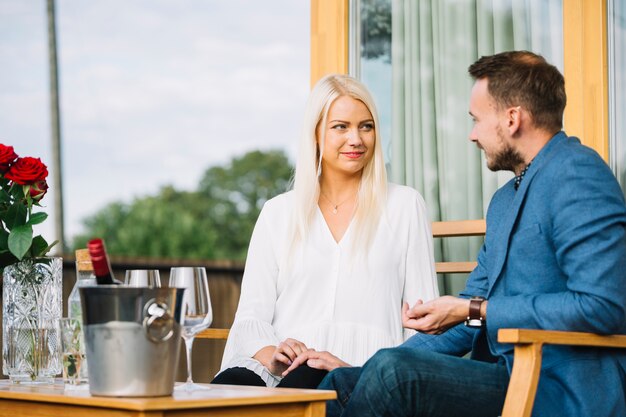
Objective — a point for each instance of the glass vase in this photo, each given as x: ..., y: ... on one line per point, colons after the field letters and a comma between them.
x: 31, y: 308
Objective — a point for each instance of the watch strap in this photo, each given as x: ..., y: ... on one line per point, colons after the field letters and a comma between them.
x: 474, y: 318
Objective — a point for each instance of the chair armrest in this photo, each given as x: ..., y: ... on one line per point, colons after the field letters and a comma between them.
x: 553, y: 337
x: 213, y: 334
x: 528, y: 343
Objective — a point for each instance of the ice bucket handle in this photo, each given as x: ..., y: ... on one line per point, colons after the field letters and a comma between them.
x: 158, y: 322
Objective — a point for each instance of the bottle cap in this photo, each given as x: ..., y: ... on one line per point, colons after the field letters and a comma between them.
x: 83, y: 260
x: 99, y: 259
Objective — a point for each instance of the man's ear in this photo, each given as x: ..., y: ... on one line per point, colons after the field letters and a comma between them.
x: 514, y: 119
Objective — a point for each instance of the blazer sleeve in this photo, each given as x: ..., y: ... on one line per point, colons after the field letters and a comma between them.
x: 585, y: 220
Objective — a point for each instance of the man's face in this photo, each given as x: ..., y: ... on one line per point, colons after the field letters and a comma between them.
x: 489, y: 131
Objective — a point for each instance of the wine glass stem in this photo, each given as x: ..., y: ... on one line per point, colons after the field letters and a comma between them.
x: 188, y: 346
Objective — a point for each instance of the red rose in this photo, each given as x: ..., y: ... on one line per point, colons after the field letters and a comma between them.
x: 7, y: 157
x: 38, y: 190
x: 27, y: 171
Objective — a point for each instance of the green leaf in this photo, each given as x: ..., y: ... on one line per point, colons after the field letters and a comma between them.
x: 40, y: 247
x: 4, y: 240
x: 16, y: 216
x: 20, y: 240
x: 37, y: 218
x: 4, y: 196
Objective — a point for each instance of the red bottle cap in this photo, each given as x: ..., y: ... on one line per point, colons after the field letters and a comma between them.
x: 99, y: 259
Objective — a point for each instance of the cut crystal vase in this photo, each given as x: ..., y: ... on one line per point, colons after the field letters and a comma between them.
x: 31, y: 307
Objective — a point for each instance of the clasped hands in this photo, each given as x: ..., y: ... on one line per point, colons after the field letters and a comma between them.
x: 291, y: 353
x: 435, y: 316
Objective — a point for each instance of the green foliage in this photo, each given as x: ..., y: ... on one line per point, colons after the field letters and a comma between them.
x: 16, y: 224
x: 376, y: 29
x: 214, y: 222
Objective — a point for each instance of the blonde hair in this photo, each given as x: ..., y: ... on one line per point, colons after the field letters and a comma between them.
x: 372, y: 193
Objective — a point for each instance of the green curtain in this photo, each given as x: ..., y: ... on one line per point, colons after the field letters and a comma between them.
x: 433, y: 43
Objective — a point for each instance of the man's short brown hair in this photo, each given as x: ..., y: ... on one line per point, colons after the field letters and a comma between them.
x: 522, y: 78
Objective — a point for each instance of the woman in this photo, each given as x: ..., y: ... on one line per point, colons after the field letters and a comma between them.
x: 330, y: 262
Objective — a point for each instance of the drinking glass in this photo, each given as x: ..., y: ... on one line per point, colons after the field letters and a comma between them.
x: 197, y: 313
x: 142, y: 278
x: 72, y: 351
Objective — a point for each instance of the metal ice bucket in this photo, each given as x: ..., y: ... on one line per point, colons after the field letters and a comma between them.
x: 132, y: 339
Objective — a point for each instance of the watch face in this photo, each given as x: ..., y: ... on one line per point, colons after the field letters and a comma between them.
x: 474, y: 323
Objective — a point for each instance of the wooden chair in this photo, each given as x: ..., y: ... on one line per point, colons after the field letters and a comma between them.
x: 520, y: 395
x: 528, y: 343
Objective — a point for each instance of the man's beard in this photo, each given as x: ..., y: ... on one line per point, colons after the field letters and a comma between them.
x: 507, y: 159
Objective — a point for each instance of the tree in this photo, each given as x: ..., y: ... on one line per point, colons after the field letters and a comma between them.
x: 376, y: 29
x: 240, y: 189
x: 214, y: 222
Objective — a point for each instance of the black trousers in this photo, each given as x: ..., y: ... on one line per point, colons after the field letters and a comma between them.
x: 302, y: 377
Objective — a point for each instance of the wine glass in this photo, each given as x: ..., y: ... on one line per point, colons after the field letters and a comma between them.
x: 197, y: 313
x: 142, y: 278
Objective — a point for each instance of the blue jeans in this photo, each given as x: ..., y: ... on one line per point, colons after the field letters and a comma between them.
x: 414, y: 382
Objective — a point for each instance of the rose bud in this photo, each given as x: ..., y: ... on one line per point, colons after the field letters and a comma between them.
x: 7, y: 157
x: 27, y: 171
x: 38, y: 190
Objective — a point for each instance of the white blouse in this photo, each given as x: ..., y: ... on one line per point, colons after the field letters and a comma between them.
x: 325, y: 297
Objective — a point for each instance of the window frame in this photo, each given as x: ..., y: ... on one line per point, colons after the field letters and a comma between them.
x: 585, y: 59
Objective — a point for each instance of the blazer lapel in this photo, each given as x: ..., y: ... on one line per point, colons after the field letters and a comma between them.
x: 503, y: 232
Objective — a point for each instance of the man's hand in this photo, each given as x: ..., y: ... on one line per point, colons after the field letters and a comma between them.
x: 318, y: 360
x: 436, y: 316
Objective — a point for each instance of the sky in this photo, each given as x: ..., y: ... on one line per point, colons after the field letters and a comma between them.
x: 152, y: 92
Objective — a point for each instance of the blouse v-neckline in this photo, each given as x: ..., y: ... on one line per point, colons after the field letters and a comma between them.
x: 329, y: 232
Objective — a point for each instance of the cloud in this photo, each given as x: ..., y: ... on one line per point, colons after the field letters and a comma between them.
x: 154, y: 92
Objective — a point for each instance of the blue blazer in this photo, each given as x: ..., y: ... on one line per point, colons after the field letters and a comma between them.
x: 554, y: 258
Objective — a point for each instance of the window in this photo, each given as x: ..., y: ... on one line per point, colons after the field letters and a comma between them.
x: 419, y: 76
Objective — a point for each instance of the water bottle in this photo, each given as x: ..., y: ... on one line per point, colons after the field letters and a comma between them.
x: 84, y: 277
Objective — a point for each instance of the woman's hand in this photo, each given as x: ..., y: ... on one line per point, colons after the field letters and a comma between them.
x: 284, y: 355
x: 318, y: 360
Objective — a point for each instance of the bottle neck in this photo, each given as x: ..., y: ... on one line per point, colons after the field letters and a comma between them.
x: 85, y: 275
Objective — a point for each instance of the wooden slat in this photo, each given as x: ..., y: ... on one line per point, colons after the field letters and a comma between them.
x: 560, y: 338
x: 459, y: 228
x: 213, y: 334
x: 455, y: 267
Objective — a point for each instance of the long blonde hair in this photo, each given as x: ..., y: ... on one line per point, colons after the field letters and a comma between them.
x: 372, y: 193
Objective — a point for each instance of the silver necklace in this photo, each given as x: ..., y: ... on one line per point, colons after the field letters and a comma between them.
x: 336, y: 206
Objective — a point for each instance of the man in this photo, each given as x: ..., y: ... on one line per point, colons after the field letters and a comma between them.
x: 554, y: 258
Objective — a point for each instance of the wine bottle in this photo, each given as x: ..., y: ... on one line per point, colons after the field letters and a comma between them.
x: 100, y: 262
x: 84, y: 277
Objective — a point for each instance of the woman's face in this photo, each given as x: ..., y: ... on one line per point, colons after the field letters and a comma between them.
x: 350, y: 137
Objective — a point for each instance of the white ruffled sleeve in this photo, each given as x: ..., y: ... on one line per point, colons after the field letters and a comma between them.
x: 252, y: 328
x: 420, y: 280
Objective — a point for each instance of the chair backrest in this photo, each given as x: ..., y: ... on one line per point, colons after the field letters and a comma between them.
x: 457, y: 228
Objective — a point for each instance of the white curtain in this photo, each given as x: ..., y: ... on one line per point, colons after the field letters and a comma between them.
x: 433, y: 43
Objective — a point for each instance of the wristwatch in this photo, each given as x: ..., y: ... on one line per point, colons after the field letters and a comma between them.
x: 474, y: 319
